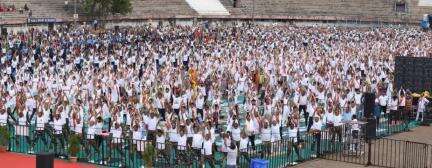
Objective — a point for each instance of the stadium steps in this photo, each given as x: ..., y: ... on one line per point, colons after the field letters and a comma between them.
x: 208, y: 7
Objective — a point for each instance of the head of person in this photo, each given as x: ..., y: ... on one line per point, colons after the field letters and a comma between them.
x: 207, y: 137
x: 232, y: 145
x: 316, y: 119
x: 159, y: 132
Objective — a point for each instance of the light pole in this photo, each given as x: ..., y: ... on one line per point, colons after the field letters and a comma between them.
x: 75, y: 11
x: 253, y: 10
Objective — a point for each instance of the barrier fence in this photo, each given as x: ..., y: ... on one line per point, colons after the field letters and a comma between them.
x: 340, y: 143
x: 386, y: 153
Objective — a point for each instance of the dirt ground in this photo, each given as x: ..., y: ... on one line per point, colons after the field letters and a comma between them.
x: 385, y: 152
x: 420, y: 134
x: 321, y: 163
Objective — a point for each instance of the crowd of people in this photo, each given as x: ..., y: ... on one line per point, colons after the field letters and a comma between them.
x: 12, y: 8
x: 184, y: 86
x: 7, y: 8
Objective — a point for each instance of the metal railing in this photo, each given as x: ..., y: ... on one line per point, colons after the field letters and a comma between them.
x: 335, y: 143
x: 385, y: 152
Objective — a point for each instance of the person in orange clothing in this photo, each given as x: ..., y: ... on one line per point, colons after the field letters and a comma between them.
x: 193, y: 77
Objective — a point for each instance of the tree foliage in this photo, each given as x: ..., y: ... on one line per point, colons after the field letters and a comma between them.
x: 101, y: 8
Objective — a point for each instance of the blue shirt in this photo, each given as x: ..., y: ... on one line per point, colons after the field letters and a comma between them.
x: 347, y: 116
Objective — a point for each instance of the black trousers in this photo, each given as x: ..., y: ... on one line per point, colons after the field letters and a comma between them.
x: 383, y: 109
x: 39, y: 134
x: 252, y: 140
x: 200, y: 112
x: 305, y: 114
x: 176, y: 111
x: 162, y: 113
x: 309, y: 124
x: 317, y: 142
x: 294, y: 145
x: 210, y: 160
x: 393, y: 116
x: 59, y: 139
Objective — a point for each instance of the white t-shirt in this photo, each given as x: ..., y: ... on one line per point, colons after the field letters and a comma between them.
x: 58, y: 126
x: 40, y: 122
x: 337, y: 120
x: 172, y: 133
x: 292, y: 133
x: 393, y: 105
x: 235, y: 132
x: 181, y: 142
x: 160, y: 142
x: 317, y: 125
x: 116, y: 133
x: 422, y: 104
x: 382, y: 100
x: 197, y: 141
x: 303, y: 100
x: 91, y: 132
x: 176, y: 102
x: 3, y: 119
x: 244, y: 144
x: 207, y: 147
x: 275, y: 132
x: 232, y: 156
x: 266, y: 134
x: 152, y: 123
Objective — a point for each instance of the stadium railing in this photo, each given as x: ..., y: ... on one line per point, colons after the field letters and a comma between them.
x: 118, y: 152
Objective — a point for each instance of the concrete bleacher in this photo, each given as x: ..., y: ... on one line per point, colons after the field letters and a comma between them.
x: 362, y: 10
x: 208, y: 7
x: 161, y: 9
x: 377, y: 9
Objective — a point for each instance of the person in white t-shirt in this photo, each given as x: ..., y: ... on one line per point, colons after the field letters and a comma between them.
x: 355, y: 131
x: 231, y: 157
x: 207, y: 150
x: 116, y: 141
x: 40, y: 129
x: 402, y: 105
x: 160, y: 144
x: 316, y: 132
x: 293, y: 135
x: 383, y: 102
x: 21, y: 129
x: 59, y: 137
x: 393, y: 106
x: 336, y: 130
x: 197, y: 142
x: 151, y: 124
x: 235, y: 133
x: 189, y: 132
x: 181, y: 149
x: 421, y: 107
x: 266, y: 137
x: 3, y: 117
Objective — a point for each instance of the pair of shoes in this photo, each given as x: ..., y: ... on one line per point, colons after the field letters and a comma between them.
x: 313, y: 156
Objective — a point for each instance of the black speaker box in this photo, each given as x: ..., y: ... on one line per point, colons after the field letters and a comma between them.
x: 45, y: 160
x: 368, y: 104
x: 371, y: 128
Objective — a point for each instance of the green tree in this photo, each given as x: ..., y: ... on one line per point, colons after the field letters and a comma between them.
x: 101, y: 8
x: 121, y: 6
